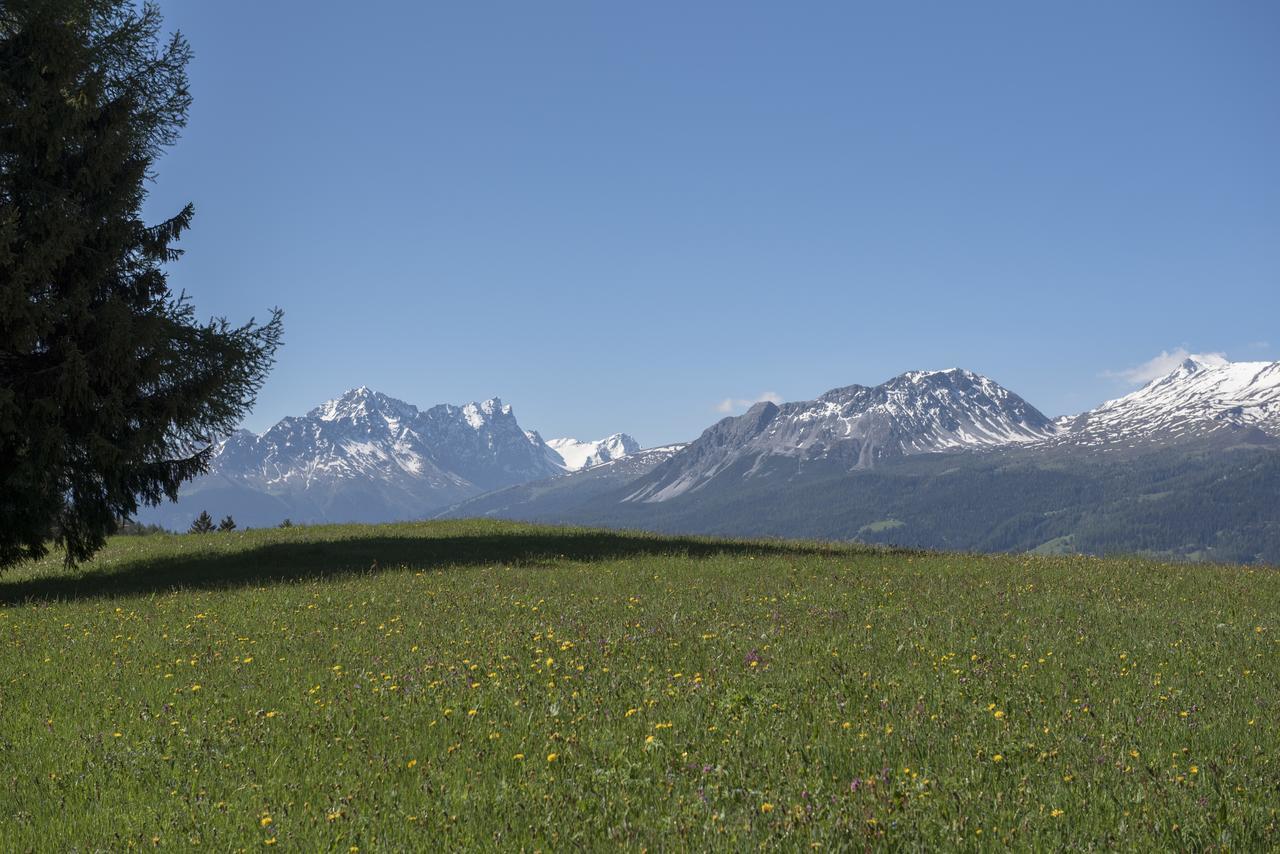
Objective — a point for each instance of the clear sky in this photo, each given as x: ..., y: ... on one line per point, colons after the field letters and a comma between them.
x: 634, y: 216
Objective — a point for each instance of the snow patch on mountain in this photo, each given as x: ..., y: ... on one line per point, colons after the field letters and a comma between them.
x: 576, y: 454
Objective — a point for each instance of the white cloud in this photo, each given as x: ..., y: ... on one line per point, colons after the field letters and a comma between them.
x: 733, y: 404
x: 1165, y: 363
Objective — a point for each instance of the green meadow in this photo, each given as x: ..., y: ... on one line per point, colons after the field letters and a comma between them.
x: 489, y: 685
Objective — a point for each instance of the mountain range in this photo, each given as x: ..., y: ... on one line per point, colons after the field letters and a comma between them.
x: 945, y: 459
x: 367, y: 457
x: 955, y: 410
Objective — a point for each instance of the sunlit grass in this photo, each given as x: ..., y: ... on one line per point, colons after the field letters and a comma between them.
x: 496, y: 685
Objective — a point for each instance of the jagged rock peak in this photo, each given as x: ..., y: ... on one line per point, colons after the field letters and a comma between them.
x: 360, y: 402
x: 479, y: 414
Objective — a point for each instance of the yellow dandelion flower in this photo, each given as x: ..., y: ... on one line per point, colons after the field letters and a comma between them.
x: 1056, y: 813
x: 265, y: 820
x: 411, y: 763
x: 766, y: 807
x: 997, y: 758
x: 551, y: 757
x: 518, y: 757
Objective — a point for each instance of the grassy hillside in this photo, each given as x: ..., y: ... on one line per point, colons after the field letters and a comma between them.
x: 490, y: 684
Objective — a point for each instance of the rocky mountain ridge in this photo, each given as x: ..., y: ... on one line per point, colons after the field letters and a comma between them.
x: 366, y: 456
x: 860, y: 426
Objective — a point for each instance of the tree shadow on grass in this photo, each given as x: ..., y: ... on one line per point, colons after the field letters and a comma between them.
x: 310, y: 559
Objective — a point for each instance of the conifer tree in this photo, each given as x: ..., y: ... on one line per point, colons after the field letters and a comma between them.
x: 111, y: 392
x: 227, y: 524
x: 202, y: 525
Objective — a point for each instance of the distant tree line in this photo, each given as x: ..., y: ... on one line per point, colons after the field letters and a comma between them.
x: 203, y: 524
x: 130, y: 528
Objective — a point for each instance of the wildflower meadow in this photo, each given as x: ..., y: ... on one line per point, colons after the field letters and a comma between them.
x: 493, y: 685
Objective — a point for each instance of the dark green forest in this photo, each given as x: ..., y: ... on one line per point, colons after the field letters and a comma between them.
x: 1205, y: 501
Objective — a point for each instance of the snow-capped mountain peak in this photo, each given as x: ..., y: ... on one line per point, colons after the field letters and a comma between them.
x: 921, y: 411
x: 923, y: 376
x: 857, y: 427
x: 576, y: 454
x: 1198, y: 361
x: 1203, y: 394
x: 357, y: 403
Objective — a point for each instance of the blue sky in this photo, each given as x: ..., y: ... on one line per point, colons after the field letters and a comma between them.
x: 634, y: 216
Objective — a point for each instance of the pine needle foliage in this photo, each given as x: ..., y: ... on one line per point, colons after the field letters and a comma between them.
x: 111, y: 392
